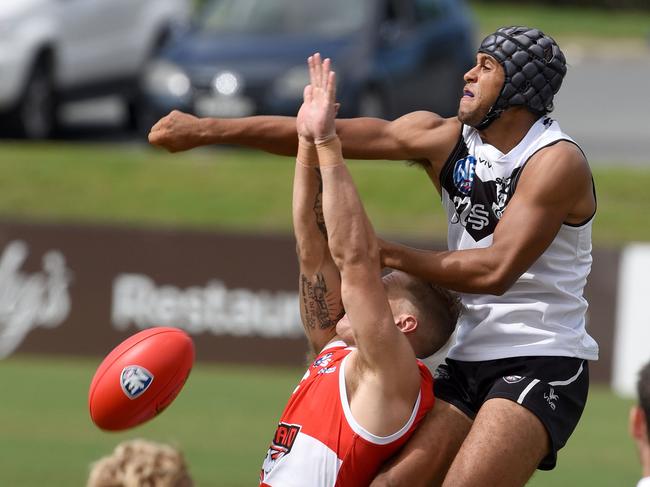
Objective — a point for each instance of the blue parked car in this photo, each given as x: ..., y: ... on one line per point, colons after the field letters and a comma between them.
x: 247, y: 57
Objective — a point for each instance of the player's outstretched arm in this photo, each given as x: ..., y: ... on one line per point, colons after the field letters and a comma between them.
x: 417, y: 136
x: 384, y: 370
x: 319, y: 282
x: 412, y: 136
x: 178, y: 131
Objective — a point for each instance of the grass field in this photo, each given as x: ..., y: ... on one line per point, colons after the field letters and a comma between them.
x: 559, y: 20
x: 248, y: 191
x: 564, y: 22
x: 223, y: 420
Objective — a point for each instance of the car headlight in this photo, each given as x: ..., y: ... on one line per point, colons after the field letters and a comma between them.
x: 227, y: 83
x: 166, y: 79
x: 292, y: 83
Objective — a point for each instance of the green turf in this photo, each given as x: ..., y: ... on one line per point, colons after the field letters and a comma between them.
x: 599, y: 453
x: 562, y: 21
x: 559, y: 20
x: 247, y: 191
x: 223, y: 420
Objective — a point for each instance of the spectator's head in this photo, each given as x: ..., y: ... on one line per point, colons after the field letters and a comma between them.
x: 641, y: 412
x: 639, y: 426
x: 141, y: 463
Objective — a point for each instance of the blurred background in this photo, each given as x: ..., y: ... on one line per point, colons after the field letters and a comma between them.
x: 101, y: 235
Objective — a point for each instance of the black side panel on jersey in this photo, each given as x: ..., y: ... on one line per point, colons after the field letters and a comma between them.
x: 479, y: 204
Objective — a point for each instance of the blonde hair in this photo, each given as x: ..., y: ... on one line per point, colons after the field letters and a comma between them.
x: 141, y: 463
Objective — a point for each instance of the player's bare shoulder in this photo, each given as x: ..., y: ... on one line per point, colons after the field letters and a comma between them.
x: 560, y: 173
x: 560, y: 161
x: 432, y: 136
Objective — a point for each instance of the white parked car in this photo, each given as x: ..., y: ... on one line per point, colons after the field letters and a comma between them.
x: 54, y: 50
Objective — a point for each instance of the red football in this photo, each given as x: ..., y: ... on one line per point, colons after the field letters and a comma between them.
x: 140, y: 378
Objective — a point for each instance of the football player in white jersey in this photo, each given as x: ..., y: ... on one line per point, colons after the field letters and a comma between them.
x: 515, y: 383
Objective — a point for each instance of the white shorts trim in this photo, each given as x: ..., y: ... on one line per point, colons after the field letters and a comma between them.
x: 568, y: 381
x: 525, y: 392
x: 556, y: 383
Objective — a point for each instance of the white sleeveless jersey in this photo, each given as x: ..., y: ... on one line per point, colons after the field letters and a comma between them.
x: 543, y: 313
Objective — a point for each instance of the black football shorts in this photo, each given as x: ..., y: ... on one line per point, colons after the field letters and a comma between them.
x: 553, y: 388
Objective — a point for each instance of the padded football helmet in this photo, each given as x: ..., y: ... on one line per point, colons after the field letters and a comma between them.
x: 534, y: 69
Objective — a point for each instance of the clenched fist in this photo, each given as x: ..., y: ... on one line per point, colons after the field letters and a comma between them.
x: 177, y: 132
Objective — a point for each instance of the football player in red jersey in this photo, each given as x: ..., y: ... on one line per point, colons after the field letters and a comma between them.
x: 365, y: 393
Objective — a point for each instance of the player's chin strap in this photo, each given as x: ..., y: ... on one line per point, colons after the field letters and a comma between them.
x: 491, y: 116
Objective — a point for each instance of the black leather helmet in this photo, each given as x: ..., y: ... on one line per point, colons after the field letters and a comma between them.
x: 534, y: 69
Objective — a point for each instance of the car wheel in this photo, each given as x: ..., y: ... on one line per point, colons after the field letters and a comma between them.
x: 36, y: 114
x: 135, y: 112
x: 372, y: 104
x: 141, y: 118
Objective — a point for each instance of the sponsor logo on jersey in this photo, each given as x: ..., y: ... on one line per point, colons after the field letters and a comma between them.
x: 513, y: 379
x: 323, y: 361
x: 472, y: 216
x: 551, y: 397
x: 464, y: 172
x: 283, y: 440
x: 328, y: 370
x: 134, y: 380
x: 503, y: 193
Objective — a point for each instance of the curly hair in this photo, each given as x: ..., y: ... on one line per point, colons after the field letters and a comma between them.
x: 141, y: 463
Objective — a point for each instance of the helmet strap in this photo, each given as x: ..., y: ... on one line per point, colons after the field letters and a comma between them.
x: 490, y: 117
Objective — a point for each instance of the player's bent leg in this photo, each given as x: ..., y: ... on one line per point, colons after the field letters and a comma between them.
x: 504, y: 447
x: 426, y: 457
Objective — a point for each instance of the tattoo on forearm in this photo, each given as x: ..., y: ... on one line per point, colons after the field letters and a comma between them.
x: 318, y: 205
x: 317, y: 304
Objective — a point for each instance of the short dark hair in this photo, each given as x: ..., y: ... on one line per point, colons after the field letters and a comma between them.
x: 643, y: 388
x: 437, y: 309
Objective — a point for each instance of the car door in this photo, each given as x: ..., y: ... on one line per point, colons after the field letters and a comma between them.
x: 417, y: 55
x: 441, y: 46
x: 395, y: 71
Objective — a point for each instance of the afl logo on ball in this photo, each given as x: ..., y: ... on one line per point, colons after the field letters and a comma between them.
x: 135, y: 380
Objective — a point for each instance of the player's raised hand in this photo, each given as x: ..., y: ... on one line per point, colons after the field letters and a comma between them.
x: 316, y: 116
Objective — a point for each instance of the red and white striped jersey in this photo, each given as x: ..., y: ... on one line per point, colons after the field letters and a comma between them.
x: 319, y: 444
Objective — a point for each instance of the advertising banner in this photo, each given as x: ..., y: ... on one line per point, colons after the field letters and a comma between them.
x: 67, y: 289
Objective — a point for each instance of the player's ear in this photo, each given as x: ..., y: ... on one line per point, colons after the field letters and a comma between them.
x: 407, y: 323
x: 638, y: 424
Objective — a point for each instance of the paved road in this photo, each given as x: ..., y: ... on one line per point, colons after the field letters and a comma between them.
x: 604, y: 104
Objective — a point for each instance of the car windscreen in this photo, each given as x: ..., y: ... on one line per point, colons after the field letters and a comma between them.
x: 318, y: 17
